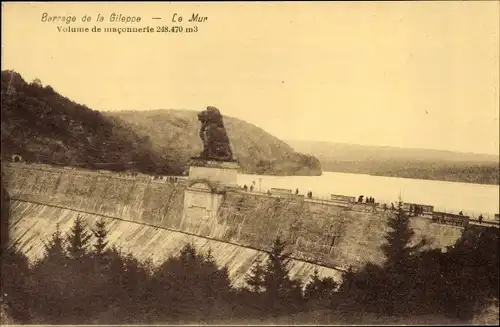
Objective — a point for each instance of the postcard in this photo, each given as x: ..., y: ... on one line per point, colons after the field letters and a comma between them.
x: 256, y: 163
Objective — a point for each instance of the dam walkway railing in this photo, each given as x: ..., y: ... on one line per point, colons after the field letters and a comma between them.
x: 355, y: 206
x: 378, y: 207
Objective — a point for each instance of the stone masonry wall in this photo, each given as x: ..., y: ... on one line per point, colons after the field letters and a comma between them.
x: 317, y: 231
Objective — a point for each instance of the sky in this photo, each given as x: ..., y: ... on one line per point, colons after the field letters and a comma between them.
x: 414, y: 74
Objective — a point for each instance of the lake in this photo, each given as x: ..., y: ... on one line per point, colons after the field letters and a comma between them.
x: 472, y: 199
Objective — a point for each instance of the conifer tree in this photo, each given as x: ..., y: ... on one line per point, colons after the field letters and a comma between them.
x: 54, y: 248
x: 312, y: 288
x: 188, y: 254
x: 217, y: 278
x: 277, y: 282
x: 320, y: 291
x: 100, y: 233
x: 117, y: 271
x: 209, y: 258
x: 255, y: 278
x: 397, y: 248
x: 215, y: 286
x: 52, y: 276
x: 78, y: 240
x: 398, y: 279
x: 348, y: 278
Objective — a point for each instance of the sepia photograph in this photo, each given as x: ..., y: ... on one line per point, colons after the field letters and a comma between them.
x: 250, y: 163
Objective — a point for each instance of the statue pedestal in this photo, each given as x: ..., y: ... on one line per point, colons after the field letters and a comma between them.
x: 220, y: 172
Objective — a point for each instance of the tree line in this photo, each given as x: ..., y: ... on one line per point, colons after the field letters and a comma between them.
x: 81, y: 279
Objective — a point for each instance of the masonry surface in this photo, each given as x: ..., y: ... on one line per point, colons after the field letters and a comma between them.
x: 152, y: 218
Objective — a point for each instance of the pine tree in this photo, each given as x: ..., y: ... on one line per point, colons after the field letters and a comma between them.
x: 312, y: 288
x: 397, y: 249
x: 52, y: 277
x: 348, y: 278
x: 208, y: 273
x: 209, y: 258
x: 277, y: 282
x: 54, y: 248
x: 398, y: 278
x: 78, y: 240
x: 320, y: 291
x: 348, y: 291
x: 117, y: 271
x: 255, y: 278
x: 215, y: 285
x: 100, y: 232
x: 276, y: 272
x: 217, y: 278
x: 188, y: 254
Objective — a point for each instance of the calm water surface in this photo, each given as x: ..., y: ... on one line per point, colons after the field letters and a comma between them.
x: 472, y: 199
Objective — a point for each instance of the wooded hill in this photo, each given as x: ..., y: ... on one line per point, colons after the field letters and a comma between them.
x: 43, y: 126
x: 175, y: 135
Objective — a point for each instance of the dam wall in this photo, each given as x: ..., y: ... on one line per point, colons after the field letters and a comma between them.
x: 318, y: 231
x: 32, y: 224
x: 321, y: 233
x: 120, y: 195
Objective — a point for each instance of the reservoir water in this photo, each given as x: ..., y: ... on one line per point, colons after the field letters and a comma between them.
x: 472, y: 199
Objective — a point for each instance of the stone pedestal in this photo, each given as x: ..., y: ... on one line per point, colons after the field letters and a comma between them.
x: 219, y: 172
x: 207, y: 181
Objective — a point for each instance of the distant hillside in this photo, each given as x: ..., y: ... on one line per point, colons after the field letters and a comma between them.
x: 355, y: 152
x: 174, y: 134
x: 400, y: 162
x: 43, y: 126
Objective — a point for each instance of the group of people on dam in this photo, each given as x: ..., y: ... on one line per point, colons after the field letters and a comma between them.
x: 367, y: 199
x: 412, y: 209
x: 170, y: 179
x: 246, y: 188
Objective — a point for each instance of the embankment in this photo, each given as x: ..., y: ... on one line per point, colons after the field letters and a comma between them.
x: 147, y: 217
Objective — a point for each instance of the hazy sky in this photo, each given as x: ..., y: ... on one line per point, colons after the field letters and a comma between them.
x: 417, y: 74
